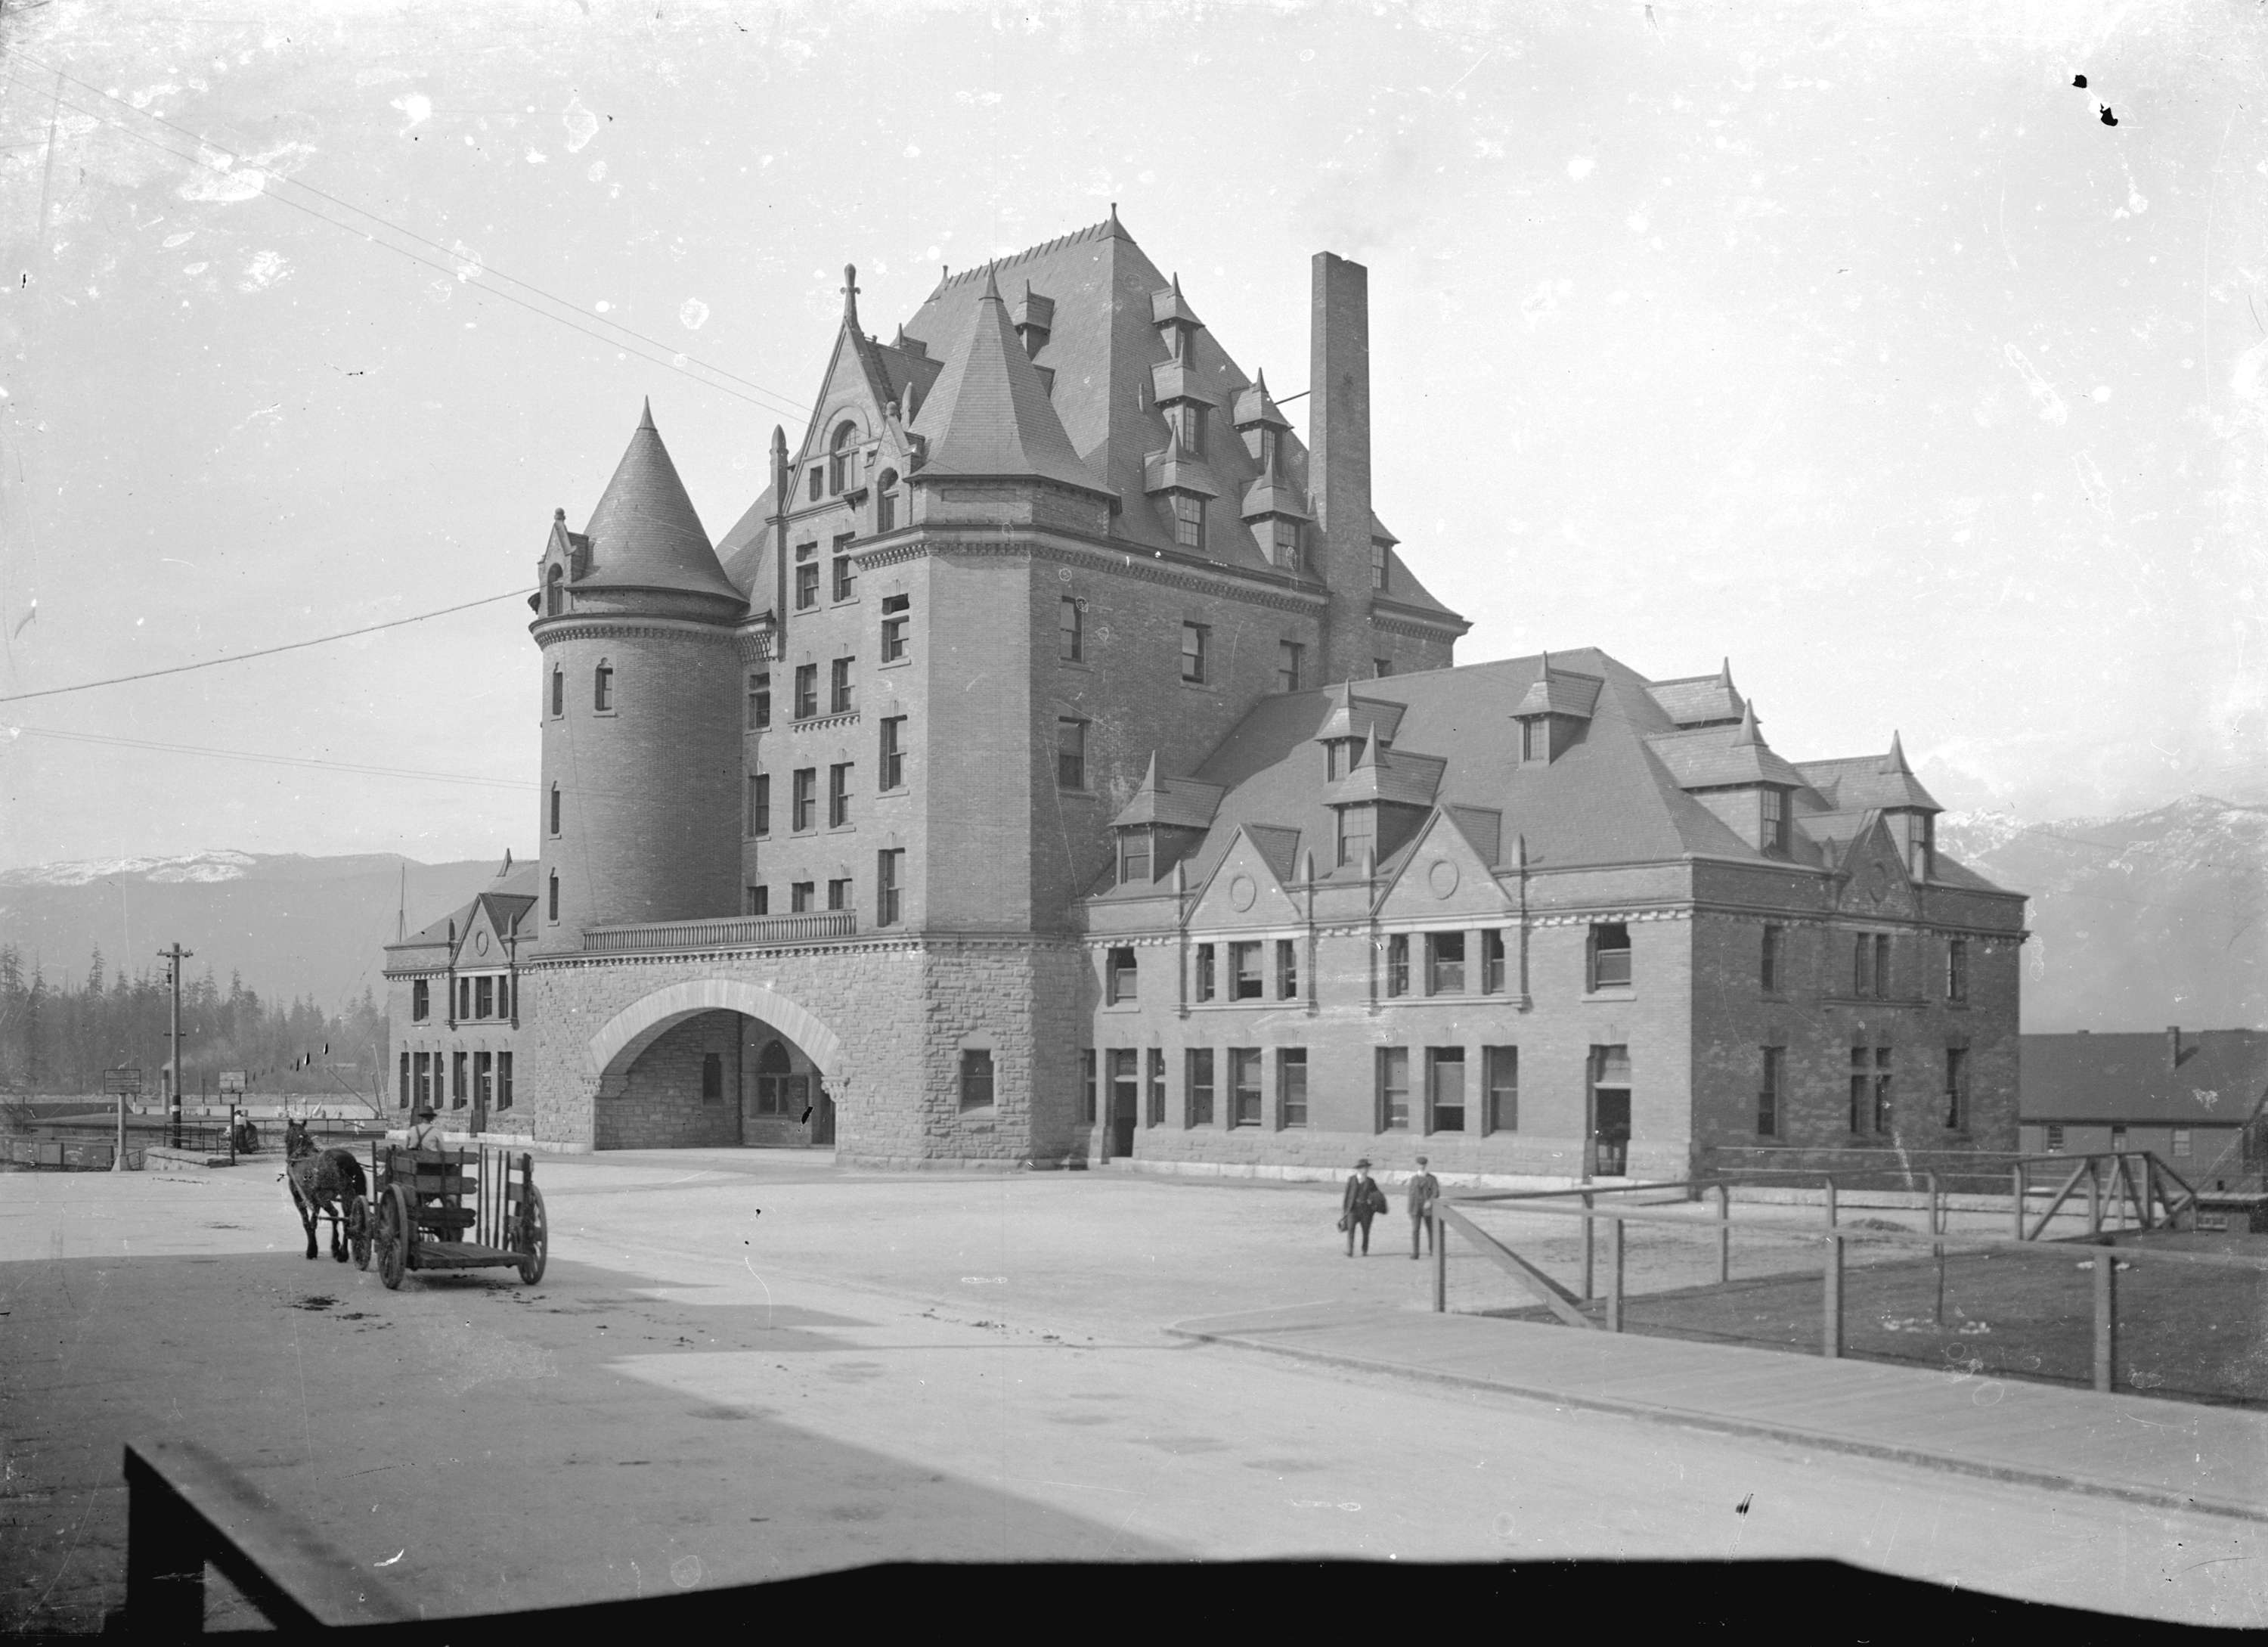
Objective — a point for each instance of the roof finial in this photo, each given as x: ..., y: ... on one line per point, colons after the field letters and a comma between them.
x: 851, y: 296
x: 1895, y: 760
x: 1150, y: 778
x: 559, y: 514
x: 779, y: 442
x: 1747, y: 734
x: 1543, y: 667
x: 645, y: 418
x: 992, y: 293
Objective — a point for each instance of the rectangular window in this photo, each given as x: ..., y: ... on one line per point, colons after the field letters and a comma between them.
x: 760, y: 701
x: 1500, y: 1069
x: 1381, y: 666
x: 1244, y: 971
x: 1610, y: 956
x: 893, y: 752
x: 1862, y: 1086
x: 484, y: 998
x: 1071, y: 753
x: 1377, y: 568
x: 1286, y: 544
x: 886, y: 508
x: 2055, y: 1138
x: 2184, y: 1146
x: 1244, y: 1086
x: 602, y: 688
x: 458, y: 1085
x: 807, y: 691
x: 1071, y: 630
x: 1393, y: 1089
x: 1774, y: 836
x: 551, y: 895
x: 1862, y: 967
x: 845, y: 578
x: 1881, y: 966
x: 1397, y: 964
x: 1204, y: 984
x: 1086, y: 1086
x: 838, y: 698
x: 838, y: 893
x: 1493, y: 961
x: 799, y: 895
x: 896, y: 617
x: 838, y: 795
x: 1956, y: 969
x: 1134, y: 858
x: 888, y: 866
x: 1288, y: 969
x: 1536, y: 738
x: 1444, y: 963
x: 2117, y: 1137
x: 1882, y: 1089
x: 425, y: 1082
x: 464, y: 997
x: 759, y: 804
x: 1153, y: 1105
x: 806, y: 798
x: 975, y: 1078
x: 1188, y: 521
x: 712, y: 1077
x: 818, y: 478
x: 759, y: 900
x: 1194, y: 639
x: 1358, y: 833
x: 558, y: 693
x: 558, y: 808
x: 1956, y: 1087
x: 1768, y: 971
x: 806, y: 585
x: 1291, y: 1086
x: 1120, y: 982
x: 1610, y: 1109
x: 504, y: 1080
x: 1200, y: 1092
x: 405, y: 1081
x: 1289, y: 657
x: 1445, y: 1089
x: 421, y: 1001
x: 1768, y: 1093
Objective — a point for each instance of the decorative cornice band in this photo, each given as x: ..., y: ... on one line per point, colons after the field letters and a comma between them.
x: 551, y: 630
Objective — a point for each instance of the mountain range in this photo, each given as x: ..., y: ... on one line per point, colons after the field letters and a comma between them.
x: 2138, y: 921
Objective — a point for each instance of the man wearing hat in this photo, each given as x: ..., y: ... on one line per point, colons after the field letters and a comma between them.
x: 1361, y: 1201
x: 427, y: 1133
x: 1425, y: 1190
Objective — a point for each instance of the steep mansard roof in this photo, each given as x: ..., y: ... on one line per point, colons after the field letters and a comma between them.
x: 1618, y: 795
x: 988, y: 413
x: 645, y: 534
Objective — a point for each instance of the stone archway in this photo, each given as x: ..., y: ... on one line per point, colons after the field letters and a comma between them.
x: 639, y: 1024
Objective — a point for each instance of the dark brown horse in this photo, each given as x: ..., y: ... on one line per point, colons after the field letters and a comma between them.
x: 323, y: 1181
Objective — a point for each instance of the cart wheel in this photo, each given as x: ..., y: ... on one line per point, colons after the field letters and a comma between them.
x: 395, y: 1232
x: 534, y: 1238
x: 358, y: 1231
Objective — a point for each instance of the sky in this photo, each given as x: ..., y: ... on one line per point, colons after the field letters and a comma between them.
x: 1853, y: 345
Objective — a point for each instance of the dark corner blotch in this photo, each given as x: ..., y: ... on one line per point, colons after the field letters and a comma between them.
x: 2079, y: 80
x: 2109, y: 119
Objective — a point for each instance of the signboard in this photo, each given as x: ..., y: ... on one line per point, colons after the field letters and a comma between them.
x: 231, y: 1082
x: 122, y: 1084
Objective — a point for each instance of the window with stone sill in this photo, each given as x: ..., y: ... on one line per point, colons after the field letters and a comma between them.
x: 1245, y: 982
x: 1205, y: 971
x: 1121, y: 980
x: 1198, y: 1099
x: 1288, y: 969
x: 840, y: 688
x: 1195, y: 638
x: 897, y: 615
x: 760, y: 701
x: 838, y: 894
x: 838, y: 795
x: 806, y: 798
x: 976, y: 1078
x: 1444, y: 963
x: 1397, y: 964
x: 1610, y: 956
x: 799, y: 895
x: 602, y: 688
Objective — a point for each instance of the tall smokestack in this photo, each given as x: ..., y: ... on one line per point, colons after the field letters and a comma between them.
x: 1338, y: 470
x: 2173, y: 1047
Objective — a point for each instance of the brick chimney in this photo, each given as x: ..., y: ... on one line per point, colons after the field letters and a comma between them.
x: 1338, y: 468
x: 2173, y: 1047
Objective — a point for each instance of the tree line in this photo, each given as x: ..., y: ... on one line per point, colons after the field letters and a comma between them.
x: 59, y: 1037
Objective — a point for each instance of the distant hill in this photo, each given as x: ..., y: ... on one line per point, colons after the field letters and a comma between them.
x: 2139, y: 921
x: 290, y: 925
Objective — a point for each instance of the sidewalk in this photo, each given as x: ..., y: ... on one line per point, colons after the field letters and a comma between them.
x: 2168, y: 1454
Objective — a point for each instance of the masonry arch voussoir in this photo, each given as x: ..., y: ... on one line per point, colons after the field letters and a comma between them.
x: 637, y: 1024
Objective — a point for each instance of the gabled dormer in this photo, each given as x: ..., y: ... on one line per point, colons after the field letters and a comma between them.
x: 1034, y: 320
x: 1734, y: 773
x: 1164, y: 822
x: 1554, y: 711
x: 1382, y: 801
x: 1909, y: 812
x: 1275, y: 504
x: 1351, y: 720
x: 566, y: 557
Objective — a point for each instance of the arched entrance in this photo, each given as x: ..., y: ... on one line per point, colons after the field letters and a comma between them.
x: 714, y: 1061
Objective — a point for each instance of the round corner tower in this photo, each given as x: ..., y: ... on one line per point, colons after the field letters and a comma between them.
x: 635, y: 618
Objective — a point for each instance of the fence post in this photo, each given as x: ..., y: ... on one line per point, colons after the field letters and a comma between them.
x: 1615, y: 1275
x: 1440, y: 1260
x: 2017, y: 1202
x: 2093, y: 1196
x: 2106, y: 1318
x: 1831, y: 1316
x: 1724, y: 1232
x: 1936, y: 1206
x: 2149, y: 1191
x: 1936, y: 1316
x: 1590, y: 1244
x: 1830, y: 1179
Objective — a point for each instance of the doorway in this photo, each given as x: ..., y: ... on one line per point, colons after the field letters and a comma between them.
x: 1125, y: 1095
x: 823, y: 1114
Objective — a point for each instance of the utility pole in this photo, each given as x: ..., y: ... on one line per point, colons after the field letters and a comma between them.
x: 173, y: 955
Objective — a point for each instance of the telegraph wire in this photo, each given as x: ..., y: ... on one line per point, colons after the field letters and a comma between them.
x: 266, y: 651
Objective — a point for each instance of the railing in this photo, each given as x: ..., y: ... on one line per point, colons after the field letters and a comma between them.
x: 730, y: 932
x: 1567, y: 1304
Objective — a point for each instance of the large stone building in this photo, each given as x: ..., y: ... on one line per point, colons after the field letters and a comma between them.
x: 1057, y: 762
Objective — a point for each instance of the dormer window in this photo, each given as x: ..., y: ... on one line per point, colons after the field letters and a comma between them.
x: 1536, y: 739
x: 1268, y: 437
x: 1773, y: 836
x: 1188, y: 521
x: 1925, y: 848
x: 1285, y: 548
x: 1358, y: 832
x: 1188, y: 425
x: 1134, y: 858
x: 842, y: 458
x: 1377, y: 564
x: 602, y: 688
x: 554, y: 592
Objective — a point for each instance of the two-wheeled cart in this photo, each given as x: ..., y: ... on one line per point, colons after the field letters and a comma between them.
x: 474, y: 1208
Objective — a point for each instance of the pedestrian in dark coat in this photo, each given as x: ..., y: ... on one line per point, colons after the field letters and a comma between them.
x: 1361, y: 1201
x: 1425, y: 1190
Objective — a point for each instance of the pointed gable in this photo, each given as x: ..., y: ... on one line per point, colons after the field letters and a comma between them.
x: 1443, y: 877
x: 1872, y: 875
x: 988, y: 414
x: 1247, y: 887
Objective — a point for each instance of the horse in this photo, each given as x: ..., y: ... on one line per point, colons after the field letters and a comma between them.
x: 321, y: 1181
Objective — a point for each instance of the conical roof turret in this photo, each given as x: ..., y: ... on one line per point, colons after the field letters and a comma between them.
x: 988, y: 414
x: 645, y: 534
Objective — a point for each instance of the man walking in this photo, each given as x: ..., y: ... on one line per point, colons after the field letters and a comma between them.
x: 1425, y: 1190
x: 1361, y: 1201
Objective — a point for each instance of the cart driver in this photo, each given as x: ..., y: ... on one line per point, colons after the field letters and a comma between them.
x: 426, y: 1134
